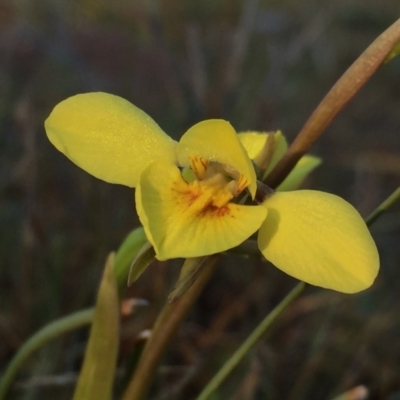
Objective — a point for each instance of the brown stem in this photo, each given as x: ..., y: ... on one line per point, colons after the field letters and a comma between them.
x: 340, y: 94
x: 166, y: 325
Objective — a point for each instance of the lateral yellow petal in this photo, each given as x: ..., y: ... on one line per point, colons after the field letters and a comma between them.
x: 280, y: 150
x: 255, y: 144
x: 216, y: 140
x: 319, y: 238
x: 108, y: 137
x: 190, y: 219
x: 305, y: 166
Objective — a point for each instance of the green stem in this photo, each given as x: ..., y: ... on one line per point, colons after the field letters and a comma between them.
x: 383, y: 207
x: 49, y: 332
x: 250, y: 342
x: 271, y: 317
x: 165, y: 327
x: 84, y: 317
x: 341, y: 93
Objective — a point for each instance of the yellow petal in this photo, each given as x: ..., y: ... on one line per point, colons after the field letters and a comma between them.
x: 188, y: 219
x: 216, y: 140
x: 280, y: 149
x: 319, y: 238
x: 305, y: 165
x: 255, y: 142
x: 108, y: 137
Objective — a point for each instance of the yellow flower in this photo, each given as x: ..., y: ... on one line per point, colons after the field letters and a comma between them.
x: 188, y: 194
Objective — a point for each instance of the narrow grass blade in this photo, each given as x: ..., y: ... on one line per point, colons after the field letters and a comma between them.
x: 97, y: 375
x: 383, y: 207
x: 249, y: 343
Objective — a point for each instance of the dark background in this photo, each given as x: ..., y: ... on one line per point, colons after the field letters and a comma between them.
x: 262, y: 65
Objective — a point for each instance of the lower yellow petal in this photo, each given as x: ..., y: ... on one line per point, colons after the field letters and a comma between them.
x: 189, y: 219
x: 108, y: 137
x: 319, y: 238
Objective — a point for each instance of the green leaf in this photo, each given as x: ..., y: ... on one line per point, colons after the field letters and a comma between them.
x: 295, y: 178
x: 189, y: 272
x: 142, y: 260
x: 127, y: 252
x: 97, y: 374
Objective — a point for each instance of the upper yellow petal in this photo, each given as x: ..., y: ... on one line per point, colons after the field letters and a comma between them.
x: 216, y: 140
x: 184, y: 219
x: 319, y: 238
x: 305, y: 165
x: 108, y: 137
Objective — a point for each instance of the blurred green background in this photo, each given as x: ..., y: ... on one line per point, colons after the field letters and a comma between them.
x: 262, y: 65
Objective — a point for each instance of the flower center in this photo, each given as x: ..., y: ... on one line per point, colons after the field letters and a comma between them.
x: 216, y: 185
x: 219, y: 176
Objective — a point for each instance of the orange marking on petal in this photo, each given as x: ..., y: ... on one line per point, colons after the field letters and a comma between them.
x: 204, y: 203
x: 242, y: 183
x: 211, y: 210
x: 199, y: 166
x: 187, y: 193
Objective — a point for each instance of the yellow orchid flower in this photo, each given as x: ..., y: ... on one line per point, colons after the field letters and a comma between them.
x: 188, y: 194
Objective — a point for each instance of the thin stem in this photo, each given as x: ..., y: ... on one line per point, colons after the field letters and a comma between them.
x: 341, y: 93
x: 49, y: 332
x: 241, y: 352
x: 165, y: 327
x: 383, y: 207
x: 250, y: 342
